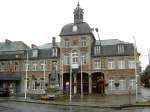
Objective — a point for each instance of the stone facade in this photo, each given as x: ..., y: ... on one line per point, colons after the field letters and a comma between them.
x: 107, y: 66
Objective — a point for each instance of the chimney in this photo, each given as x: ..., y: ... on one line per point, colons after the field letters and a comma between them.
x: 7, y: 41
x: 53, y: 41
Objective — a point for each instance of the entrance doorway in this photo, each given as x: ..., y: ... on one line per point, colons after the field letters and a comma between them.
x: 98, y: 83
x: 85, y: 83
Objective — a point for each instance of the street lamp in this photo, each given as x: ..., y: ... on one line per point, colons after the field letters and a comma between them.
x: 96, y: 29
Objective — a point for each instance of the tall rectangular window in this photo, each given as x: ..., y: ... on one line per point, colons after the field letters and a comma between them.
x: 83, y: 58
x: 67, y: 43
x: 121, y: 64
x: 111, y: 64
x: 34, y: 66
x: 66, y: 59
x: 74, y: 57
x: 111, y: 84
x: 131, y: 64
x: 83, y: 42
x: 43, y: 66
x: 132, y: 83
x: 41, y: 83
x: 122, y: 84
x: 97, y: 64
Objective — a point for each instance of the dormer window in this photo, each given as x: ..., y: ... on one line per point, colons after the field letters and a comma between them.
x: 120, y: 49
x: 54, y: 52
x: 97, y: 50
x: 74, y: 28
x: 35, y: 53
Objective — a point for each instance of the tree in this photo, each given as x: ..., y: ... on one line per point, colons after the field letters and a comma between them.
x: 145, y: 77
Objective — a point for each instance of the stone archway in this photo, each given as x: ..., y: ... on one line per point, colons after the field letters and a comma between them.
x: 98, y: 83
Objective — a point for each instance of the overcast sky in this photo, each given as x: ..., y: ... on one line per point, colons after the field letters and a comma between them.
x: 36, y: 21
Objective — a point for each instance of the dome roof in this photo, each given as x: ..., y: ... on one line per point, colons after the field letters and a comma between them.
x: 75, y: 29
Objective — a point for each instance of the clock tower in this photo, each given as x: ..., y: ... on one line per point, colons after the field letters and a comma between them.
x: 75, y: 53
x: 78, y: 14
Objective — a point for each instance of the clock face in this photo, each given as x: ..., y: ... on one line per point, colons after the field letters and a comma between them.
x: 74, y: 28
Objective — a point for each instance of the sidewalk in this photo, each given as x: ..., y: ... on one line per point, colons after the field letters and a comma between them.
x: 94, y: 100
x: 106, y: 101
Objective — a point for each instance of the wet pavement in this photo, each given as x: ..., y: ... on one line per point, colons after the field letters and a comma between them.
x: 32, y: 107
x: 145, y: 93
x: 88, y: 100
x: 89, y: 103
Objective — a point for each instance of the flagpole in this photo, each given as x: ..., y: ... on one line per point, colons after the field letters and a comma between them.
x: 62, y: 84
x: 81, y: 81
x: 26, y: 77
x: 135, y: 59
x: 70, y: 78
x: 44, y: 76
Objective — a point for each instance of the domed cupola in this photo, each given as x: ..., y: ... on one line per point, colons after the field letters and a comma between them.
x: 78, y: 14
x: 78, y: 27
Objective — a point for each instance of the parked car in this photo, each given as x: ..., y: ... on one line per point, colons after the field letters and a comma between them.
x: 4, y: 92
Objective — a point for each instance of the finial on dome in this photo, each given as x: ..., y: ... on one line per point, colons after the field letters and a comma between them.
x: 78, y: 14
x: 78, y: 4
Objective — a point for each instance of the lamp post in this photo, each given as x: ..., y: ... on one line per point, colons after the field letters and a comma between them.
x: 81, y: 80
x: 44, y: 76
x: 99, y: 53
x: 96, y: 29
x: 62, y: 81
x: 136, y: 74
x: 26, y: 77
x: 70, y: 78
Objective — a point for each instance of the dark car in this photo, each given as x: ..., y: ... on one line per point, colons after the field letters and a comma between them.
x: 4, y: 92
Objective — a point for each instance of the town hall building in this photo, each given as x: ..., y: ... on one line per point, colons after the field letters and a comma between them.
x: 106, y: 66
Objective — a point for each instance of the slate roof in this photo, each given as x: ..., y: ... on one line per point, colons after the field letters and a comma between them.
x: 110, y: 47
x: 13, y: 46
x: 48, y: 45
x: 110, y: 42
x: 103, y: 42
x: 12, y: 49
x: 83, y: 28
x: 42, y: 54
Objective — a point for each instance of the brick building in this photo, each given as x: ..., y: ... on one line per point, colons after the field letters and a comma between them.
x: 107, y: 66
